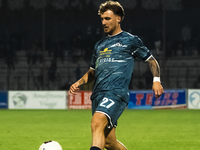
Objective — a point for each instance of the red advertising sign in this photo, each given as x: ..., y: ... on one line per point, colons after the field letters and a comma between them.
x: 80, y: 101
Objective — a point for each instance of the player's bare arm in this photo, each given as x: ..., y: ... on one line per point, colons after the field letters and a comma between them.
x: 155, y: 70
x: 87, y: 78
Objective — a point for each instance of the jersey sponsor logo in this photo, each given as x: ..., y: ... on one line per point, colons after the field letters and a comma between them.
x: 102, y: 60
x: 106, y: 51
x: 117, y: 45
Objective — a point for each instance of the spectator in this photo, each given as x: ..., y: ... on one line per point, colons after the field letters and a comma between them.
x: 31, y: 59
x: 186, y: 33
x: 52, y: 70
x: 78, y: 72
x: 58, y: 50
x: 148, y: 79
x: 77, y: 48
x: 39, y: 55
x: 196, y: 83
x: 9, y: 57
x: 158, y: 41
x: 49, y: 46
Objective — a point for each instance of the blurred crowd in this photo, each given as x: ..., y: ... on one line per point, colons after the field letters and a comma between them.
x: 81, y: 44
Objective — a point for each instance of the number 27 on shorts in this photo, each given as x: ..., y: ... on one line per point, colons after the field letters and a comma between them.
x: 107, y: 102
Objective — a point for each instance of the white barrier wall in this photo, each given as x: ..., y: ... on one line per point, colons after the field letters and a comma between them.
x: 60, y: 100
x: 193, y: 99
x: 37, y: 100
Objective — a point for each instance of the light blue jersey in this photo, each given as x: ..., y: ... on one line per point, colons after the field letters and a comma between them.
x: 113, y: 61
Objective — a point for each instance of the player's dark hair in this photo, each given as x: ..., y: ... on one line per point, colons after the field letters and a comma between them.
x: 114, y: 6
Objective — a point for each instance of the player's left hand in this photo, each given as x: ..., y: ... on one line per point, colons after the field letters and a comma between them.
x: 158, y: 89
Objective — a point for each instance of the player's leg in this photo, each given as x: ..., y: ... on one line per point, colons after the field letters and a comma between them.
x: 111, y: 142
x: 102, y: 136
x: 106, y: 110
x: 98, y: 124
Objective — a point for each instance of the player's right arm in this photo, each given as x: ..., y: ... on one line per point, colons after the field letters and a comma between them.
x: 155, y: 70
x: 87, y: 78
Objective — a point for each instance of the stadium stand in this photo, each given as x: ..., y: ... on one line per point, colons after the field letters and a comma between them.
x: 70, y: 45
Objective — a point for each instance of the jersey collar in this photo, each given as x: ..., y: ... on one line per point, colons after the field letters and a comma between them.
x: 115, y: 34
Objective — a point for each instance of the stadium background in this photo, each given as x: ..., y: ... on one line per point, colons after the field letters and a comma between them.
x: 47, y: 44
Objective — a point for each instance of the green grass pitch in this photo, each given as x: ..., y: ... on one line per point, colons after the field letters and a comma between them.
x: 137, y: 129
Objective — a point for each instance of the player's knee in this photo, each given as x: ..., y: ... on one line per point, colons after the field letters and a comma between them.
x: 114, y: 145
x: 98, y: 122
x: 111, y: 145
x: 94, y: 126
x: 108, y: 146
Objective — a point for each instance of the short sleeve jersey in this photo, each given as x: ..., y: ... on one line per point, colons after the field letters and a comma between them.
x: 113, y: 61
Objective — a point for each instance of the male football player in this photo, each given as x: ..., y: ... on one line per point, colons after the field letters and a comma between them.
x: 111, y: 69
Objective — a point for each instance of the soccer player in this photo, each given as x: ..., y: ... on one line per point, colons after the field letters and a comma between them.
x: 111, y: 69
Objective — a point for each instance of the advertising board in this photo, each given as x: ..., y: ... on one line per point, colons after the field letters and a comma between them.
x: 37, y: 99
x: 3, y: 100
x: 193, y: 99
x: 146, y: 100
x: 80, y: 101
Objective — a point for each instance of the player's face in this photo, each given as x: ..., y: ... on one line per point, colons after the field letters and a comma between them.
x: 110, y: 22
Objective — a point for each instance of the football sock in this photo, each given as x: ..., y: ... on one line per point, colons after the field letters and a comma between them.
x: 94, y: 148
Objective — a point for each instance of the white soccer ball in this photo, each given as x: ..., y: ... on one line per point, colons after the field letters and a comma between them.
x: 50, y: 145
